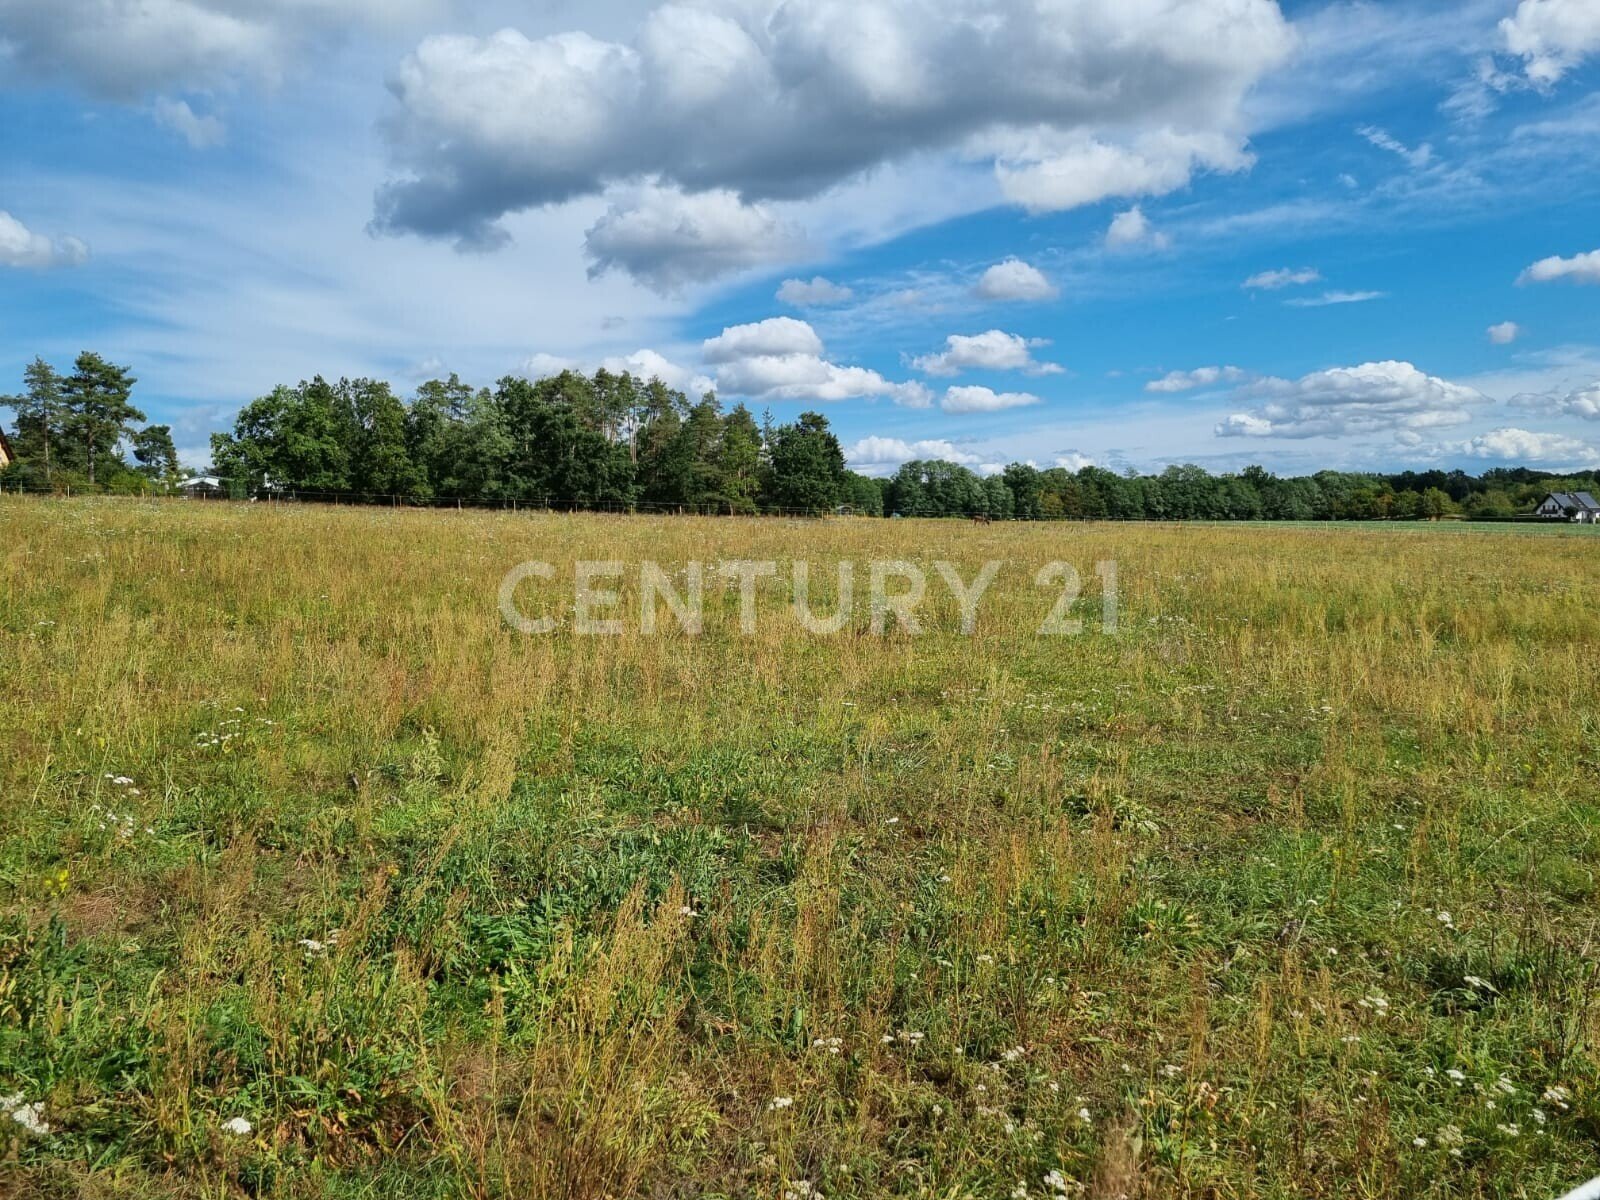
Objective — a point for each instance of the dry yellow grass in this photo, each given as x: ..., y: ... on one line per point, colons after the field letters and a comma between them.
x: 1209, y: 905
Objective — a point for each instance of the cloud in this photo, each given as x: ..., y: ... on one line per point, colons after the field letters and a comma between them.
x: 778, y: 101
x: 991, y: 351
x: 1271, y: 281
x: 774, y: 336
x: 782, y: 358
x: 641, y: 364
x: 648, y: 364
x: 667, y: 239
x: 892, y: 452
x: 983, y: 400
x: 1073, y: 461
x: 21, y: 247
x: 543, y: 365
x: 1371, y: 398
x: 1419, y: 157
x: 1551, y: 36
x: 1328, y: 298
x: 1580, y: 268
x: 128, y: 49
x: 201, y: 132
x: 1050, y: 179
x: 1583, y: 403
x: 1504, y: 333
x: 1133, y: 228
x: 818, y: 293
x: 1524, y: 446
x: 1015, y: 280
x: 1184, y: 381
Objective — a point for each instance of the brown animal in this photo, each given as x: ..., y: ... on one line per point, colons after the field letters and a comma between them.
x: 982, y: 519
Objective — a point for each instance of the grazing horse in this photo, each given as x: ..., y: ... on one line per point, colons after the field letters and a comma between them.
x: 981, y: 519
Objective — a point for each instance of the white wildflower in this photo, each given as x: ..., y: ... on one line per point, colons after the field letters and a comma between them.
x: 1510, y: 1130
x: 780, y: 1102
x: 313, y: 948
x: 1057, y: 1182
x: 1083, y: 1115
x: 1014, y: 1053
x: 1556, y: 1095
x: 1419, y: 1142
x: 238, y: 1126
x: 1475, y: 981
x: 29, y: 1116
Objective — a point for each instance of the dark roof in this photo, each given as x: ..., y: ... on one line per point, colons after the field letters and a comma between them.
x: 5, y: 447
x: 1582, y: 501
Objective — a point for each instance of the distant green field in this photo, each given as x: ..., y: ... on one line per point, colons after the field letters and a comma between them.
x: 317, y: 879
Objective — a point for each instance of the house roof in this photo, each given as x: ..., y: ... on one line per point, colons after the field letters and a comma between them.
x: 6, y: 452
x: 1582, y: 501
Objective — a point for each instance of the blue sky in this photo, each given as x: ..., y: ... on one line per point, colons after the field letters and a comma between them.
x: 1132, y: 232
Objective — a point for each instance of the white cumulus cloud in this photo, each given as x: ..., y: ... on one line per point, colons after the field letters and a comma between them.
x: 1504, y: 333
x: 1526, y: 447
x: 1583, y: 403
x: 668, y: 239
x: 817, y: 293
x: 127, y: 49
x: 782, y: 358
x: 1185, y: 381
x: 1133, y: 228
x: 21, y: 247
x: 994, y: 350
x: 785, y: 99
x: 983, y: 400
x: 1371, y: 398
x: 1015, y: 280
x: 1552, y: 36
x: 1580, y: 268
x: 887, y: 451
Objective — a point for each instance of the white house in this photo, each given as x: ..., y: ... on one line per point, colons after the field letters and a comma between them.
x: 1569, y: 506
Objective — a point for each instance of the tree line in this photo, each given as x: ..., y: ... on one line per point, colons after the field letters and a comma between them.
x: 77, y: 429
x: 618, y: 442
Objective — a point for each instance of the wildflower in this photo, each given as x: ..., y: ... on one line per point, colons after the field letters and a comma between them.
x: 1538, y: 1116
x: 687, y: 910
x: 1014, y: 1053
x: 238, y: 1126
x: 1057, y: 1182
x: 1483, y: 985
x: 1172, y: 1070
x: 1020, y: 1192
x: 986, y: 958
x: 801, y: 1189
x: 313, y: 948
x: 832, y: 1045
x: 1451, y: 1135
x: 1419, y: 1142
x: 29, y: 1116
x: 1556, y: 1095
x: 780, y: 1102
x: 1445, y: 919
x: 1505, y: 1085
x: 1456, y: 1077
x: 1510, y: 1130
x: 1083, y: 1115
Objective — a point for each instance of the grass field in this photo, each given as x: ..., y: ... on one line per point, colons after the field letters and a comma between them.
x: 316, y: 879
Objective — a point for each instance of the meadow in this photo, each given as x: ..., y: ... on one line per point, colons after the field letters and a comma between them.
x: 319, y: 880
